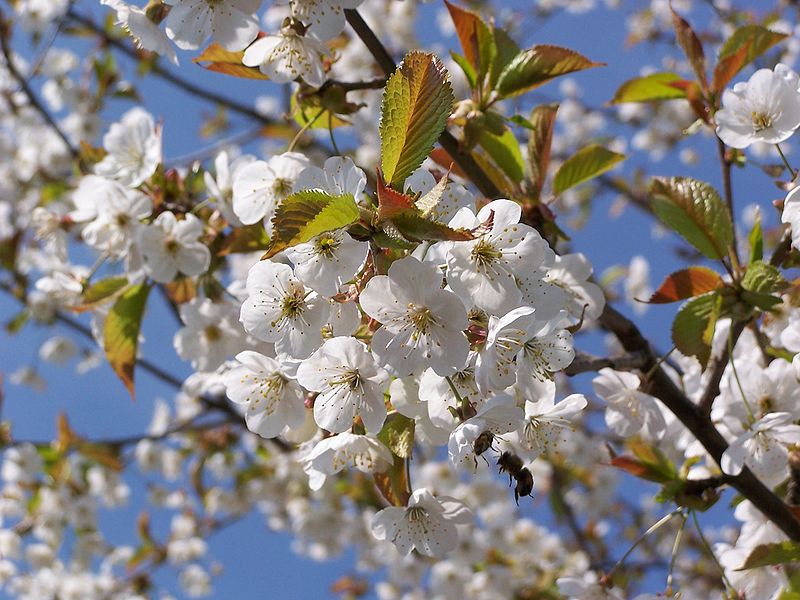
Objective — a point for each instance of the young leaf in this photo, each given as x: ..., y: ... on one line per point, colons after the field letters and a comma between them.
x: 505, y: 152
x: 99, y: 292
x: 121, y: 333
x: 686, y: 283
x: 690, y: 44
x: 649, y: 88
x: 466, y: 68
x: 745, y: 45
x: 476, y: 39
x: 248, y: 238
x: 756, y: 239
x: 587, y: 163
x: 505, y: 51
x: 778, y: 553
x: 393, y: 483
x: 693, y: 328
x: 763, y: 278
x: 308, y: 213
x: 695, y: 211
x: 398, y: 435
x: 539, y: 143
x: 416, y: 103
x: 537, y: 65
x: 220, y: 60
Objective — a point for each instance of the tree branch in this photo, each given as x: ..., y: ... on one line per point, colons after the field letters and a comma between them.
x: 663, y: 388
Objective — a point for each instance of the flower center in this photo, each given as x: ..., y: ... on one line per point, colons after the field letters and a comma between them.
x: 484, y: 253
x: 282, y: 187
x: 420, y: 317
x: 293, y: 304
x: 350, y: 377
x: 326, y: 245
x: 761, y: 121
x: 416, y: 514
x: 212, y: 333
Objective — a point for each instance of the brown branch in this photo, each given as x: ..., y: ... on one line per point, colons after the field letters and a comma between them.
x: 727, y: 189
x: 586, y: 363
x: 462, y: 158
x: 167, y: 75
x: 663, y: 388
x: 717, y: 367
x: 26, y: 88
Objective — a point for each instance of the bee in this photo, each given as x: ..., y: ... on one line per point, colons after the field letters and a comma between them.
x: 482, y: 443
x: 516, y: 469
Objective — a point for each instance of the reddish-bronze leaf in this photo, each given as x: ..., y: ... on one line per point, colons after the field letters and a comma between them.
x: 220, y: 60
x: 686, y: 283
x: 543, y: 120
x: 391, y: 202
x: 690, y: 44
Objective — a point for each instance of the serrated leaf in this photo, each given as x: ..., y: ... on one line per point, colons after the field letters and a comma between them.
x: 249, y: 238
x: 218, y: 59
x: 690, y: 44
x: 540, y: 142
x: 763, y: 278
x: 745, y: 45
x: 121, y: 333
x: 417, y: 102
x: 587, y: 163
x: 694, y: 210
x: 306, y: 214
x: 505, y: 50
x: 650, y: 88
x: 393, y: 483
x: 397, y: 434
x: 504, y: 151
x: 537, y: 65
x: 686, y: 283
x: 778, y: 553
x: 99, y: 292
x: 413, y: 226
x: 693, y: 328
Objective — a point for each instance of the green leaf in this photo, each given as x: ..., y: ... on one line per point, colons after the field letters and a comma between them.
x: 745, y: 45
x: 587, y: 163
x: 756, y: 239
x: 695, y: 211
x: 417, y: 102
x: 306, y: 214
x: 778, y: 553
x: 537, y: 65
x: 763, y: 278
x: 505, y: 152
x: 466, y: 68
x: 398, y: 435
x: 543, y: 120
x: 121, y: 333
x: 100, y: 291
x: 649, y: 89
x: 506, y: 50
x: 17, y: 322
x: 693, y: 328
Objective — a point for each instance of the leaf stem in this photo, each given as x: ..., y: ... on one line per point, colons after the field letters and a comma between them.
x: 654, y: 527
x: 786, y: 161
x: 726, y: 582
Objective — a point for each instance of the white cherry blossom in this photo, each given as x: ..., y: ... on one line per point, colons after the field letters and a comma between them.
x: 349, y: 384
x: 232, y: 23
x: 486, y: 269
x: 328, y: 261
x: 259, y: 186
x: 170, y: 246
x: 134, y: 149
x: 628, y: 410
x: 428, y: 524
x: 763, y: 448
x: 335, y: 453
x: 498, y: 415
x: 422, y: 323
x: 279, y: 309
x: 287, y: 55
x: 766, y: 108
x: 210, y: 335
x: 271, y: 399
x: 340, y: 175
x: 144, y: 32
x: 547, y: 424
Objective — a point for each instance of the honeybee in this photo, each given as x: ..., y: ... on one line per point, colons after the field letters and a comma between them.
x: 516, y: 469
